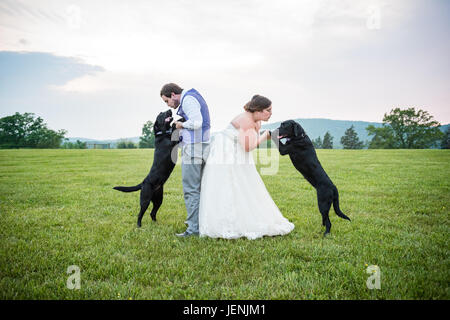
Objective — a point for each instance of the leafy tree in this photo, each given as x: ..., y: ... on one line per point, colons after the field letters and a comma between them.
x: 445, y: 143
x: 383, y: 137
x: 327, y: 141
x: 46, y: 138
x: 15, y: 129
x: 350, y: 139
x: 74, y: 145
x: 124, y: 144
x: 147, y: 140
x: 80, y: 145
x: 67, y: 145
x: 409, y: 129
x: 317, y: 143
x: 24, y: 131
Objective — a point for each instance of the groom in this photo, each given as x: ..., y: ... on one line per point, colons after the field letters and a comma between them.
x: 195, y: 146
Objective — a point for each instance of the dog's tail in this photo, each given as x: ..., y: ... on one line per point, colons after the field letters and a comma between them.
x: 129, y: 189
x: 336, y: 205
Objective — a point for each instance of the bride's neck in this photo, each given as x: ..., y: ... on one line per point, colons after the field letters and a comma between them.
x: 253, y: 116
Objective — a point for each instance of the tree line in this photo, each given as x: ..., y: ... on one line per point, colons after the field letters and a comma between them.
x: 146, y: 140
x: 401, y: 129
x: 30, y: 131
x: 26, y: 131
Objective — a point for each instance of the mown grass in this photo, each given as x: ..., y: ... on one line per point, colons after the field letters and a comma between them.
x: 58, y: 208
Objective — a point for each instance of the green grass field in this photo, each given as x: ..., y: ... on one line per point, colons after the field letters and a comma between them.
x: 58, y: 208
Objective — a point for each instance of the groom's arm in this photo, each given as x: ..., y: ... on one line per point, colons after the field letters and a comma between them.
x: 192, y: 109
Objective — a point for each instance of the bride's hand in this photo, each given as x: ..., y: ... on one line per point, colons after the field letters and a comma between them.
x: 264, y: 136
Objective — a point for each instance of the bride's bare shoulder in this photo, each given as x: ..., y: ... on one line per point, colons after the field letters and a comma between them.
x: 243, y: 122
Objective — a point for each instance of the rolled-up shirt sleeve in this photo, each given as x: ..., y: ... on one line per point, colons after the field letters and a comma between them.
x: 192, y: 109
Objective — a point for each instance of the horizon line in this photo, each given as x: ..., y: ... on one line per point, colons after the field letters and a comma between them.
x: 271, y: 123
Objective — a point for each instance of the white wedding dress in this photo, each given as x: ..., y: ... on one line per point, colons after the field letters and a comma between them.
x: 234, y: 201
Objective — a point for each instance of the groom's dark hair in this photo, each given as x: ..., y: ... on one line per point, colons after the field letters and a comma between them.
x: 167, y: 89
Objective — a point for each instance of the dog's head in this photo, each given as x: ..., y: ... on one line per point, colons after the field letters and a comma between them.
x: 163, y: 120
x: 290, y: 129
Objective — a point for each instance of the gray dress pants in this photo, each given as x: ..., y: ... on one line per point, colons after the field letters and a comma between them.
x: 193, y: 159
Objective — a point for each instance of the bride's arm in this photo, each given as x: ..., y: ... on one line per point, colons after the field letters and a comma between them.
x: 249, y: 137
x: 264, y: 136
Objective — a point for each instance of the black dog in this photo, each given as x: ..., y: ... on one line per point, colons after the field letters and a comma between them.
x: 304, y: 158
x: 163, y: 163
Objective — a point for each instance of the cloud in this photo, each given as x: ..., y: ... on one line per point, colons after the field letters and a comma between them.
x: 107, y: 81
x: 27, y: 73
x: 189, y: 34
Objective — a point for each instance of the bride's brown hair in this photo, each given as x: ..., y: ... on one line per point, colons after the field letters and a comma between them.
x: 258, y: 103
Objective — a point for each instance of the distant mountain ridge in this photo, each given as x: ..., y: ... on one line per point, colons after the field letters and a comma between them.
x: 317, y: 127
x: 314, y: 128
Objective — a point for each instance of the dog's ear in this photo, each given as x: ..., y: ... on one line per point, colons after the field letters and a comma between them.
x: 296, y: 129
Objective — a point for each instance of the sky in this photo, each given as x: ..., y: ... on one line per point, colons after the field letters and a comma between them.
x: 95, y: 68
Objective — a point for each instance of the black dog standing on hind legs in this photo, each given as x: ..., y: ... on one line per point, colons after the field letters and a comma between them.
x: 304, y: 158
x: 164, y: 160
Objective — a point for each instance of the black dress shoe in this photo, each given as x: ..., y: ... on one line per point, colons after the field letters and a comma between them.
x: 186, y: 234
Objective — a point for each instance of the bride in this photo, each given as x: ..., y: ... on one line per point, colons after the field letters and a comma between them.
x: 234, y: 201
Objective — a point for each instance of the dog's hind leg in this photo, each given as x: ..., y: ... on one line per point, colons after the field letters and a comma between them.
x: 157, y: 200
x: 144, y: 206
x: 146, y: 196
x: 324, y: 199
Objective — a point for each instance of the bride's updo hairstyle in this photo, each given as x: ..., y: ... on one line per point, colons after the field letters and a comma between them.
x: 258, y: 103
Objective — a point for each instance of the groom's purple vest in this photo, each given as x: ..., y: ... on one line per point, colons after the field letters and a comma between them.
x: 201, y: 134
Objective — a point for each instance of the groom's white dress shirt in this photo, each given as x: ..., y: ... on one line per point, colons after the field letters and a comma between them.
x: 192, y: 109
